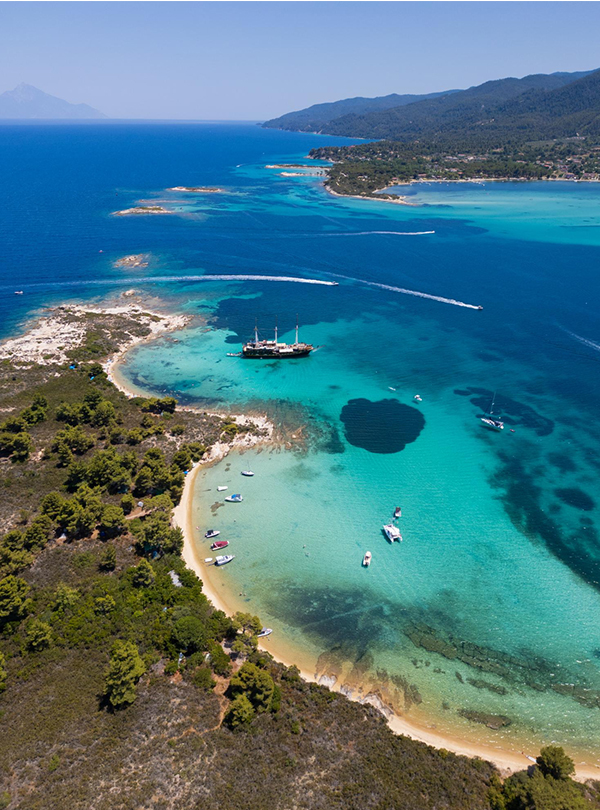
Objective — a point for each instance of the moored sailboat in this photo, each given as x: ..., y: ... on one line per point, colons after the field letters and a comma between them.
x: 273, y: 350
x: 491, y: 421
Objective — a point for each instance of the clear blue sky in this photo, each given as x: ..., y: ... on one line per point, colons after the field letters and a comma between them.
x: 254, y: 60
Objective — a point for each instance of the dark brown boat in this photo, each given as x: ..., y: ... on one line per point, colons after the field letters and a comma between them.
x: 273, y: 350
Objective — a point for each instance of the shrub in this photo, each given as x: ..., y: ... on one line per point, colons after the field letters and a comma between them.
x: 14, y: 603
x: 189, y: 635
x: 240, y: 713
x: 38, y: 635
x: 65, y: 598
x: 553, y: 761
x: 108, y: 560
x: 3, y: 673
x: 124, y: 671
x: 143, y: 576
x: 219, y: 660
x: 128, y: 503
x: 256, y: 684
x: 202, y: 678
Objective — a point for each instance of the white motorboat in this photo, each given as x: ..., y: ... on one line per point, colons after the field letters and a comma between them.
x: 224, y: 559
x: 222, y: 489
x: 208, y: 559
x: 397, y: 513
x: 392, y: 532
x: 247, y: 473
x: 266, y: 631
x: 237, y: 498
x: 212, y: 533
x: 417, y: 398
x: 367, y: 559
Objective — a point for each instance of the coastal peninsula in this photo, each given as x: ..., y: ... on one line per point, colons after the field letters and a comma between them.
x: 107, y: 621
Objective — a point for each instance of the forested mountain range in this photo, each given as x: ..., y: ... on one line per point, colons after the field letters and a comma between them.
x: 321, y: 116
x: 506, y: 107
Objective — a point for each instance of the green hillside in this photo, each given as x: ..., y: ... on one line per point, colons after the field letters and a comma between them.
x: 318, y: 117
x: 467, y: 111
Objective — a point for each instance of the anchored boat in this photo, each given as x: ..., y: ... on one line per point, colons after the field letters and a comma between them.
x: 367, y: 559
x: 273, y: 350
x: 223, y: 560
x: 392, y: 532
x: 234, y: 498
x: 491, y: 421
x: 212, y: 533
x: 219, y: 544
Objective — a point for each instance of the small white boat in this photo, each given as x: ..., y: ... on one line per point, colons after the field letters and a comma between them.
x: 417, y: 398
x: 18, y: 292
x: 224, y: 559
x: 266, y: 631
x: 234, y: 498
x: 247, y: 473
x: 208, y: 559
x: 222, y: 489
x: 390, y: 388
x: 367, y: 559
x: 397, y: 512
x: 392, y: 532
x: 212, y: 533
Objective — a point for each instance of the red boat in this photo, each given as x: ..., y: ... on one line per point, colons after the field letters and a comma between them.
x: 219, y: 545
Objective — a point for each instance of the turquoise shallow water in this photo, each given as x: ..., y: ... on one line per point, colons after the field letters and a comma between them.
x: 489, y: 608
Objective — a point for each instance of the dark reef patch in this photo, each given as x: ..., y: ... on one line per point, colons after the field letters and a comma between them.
x: 562, y: 461
x: 576, y: 498
x: 386, y: 426
x: 523, y: 503
x: 512, y: 412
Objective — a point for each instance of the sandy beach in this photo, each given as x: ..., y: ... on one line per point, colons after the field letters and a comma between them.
x: 507, y: 761
x: 397, y: 200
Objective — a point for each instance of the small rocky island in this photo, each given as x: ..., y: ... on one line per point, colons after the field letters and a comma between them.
x: 142, y: 209
x: 135, y: 260
x: 199, y: 189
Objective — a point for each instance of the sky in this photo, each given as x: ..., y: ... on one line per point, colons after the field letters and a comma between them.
x: 257, y: 60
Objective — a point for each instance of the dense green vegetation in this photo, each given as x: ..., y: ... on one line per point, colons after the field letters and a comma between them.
x: 555, y: 105
x: 122, y: 686
x: 368, y: 168
x: 539, y: 127
x: 320, y: 116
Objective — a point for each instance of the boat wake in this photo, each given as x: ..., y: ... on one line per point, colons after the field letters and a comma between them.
x: 590, y: 343
x: 166, y: 279
x: 407, y: 292
x: 386, y: 233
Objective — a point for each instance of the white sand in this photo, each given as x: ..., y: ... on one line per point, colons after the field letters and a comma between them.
x: 50, y: 338
x: 507, y: 761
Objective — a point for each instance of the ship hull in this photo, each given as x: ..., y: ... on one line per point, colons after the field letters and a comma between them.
x: 271, y: 355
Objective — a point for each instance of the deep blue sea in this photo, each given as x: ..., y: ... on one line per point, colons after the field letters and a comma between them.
x: 489, y: 609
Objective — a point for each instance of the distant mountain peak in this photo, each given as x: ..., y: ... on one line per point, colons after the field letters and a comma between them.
x: 29, y: 102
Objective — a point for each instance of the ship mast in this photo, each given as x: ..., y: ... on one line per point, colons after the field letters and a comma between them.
x: 256, y: 330
x: 276, y: 330
x: 296, y: 329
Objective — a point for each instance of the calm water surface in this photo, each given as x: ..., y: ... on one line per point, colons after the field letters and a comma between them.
x: 485, y: 619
